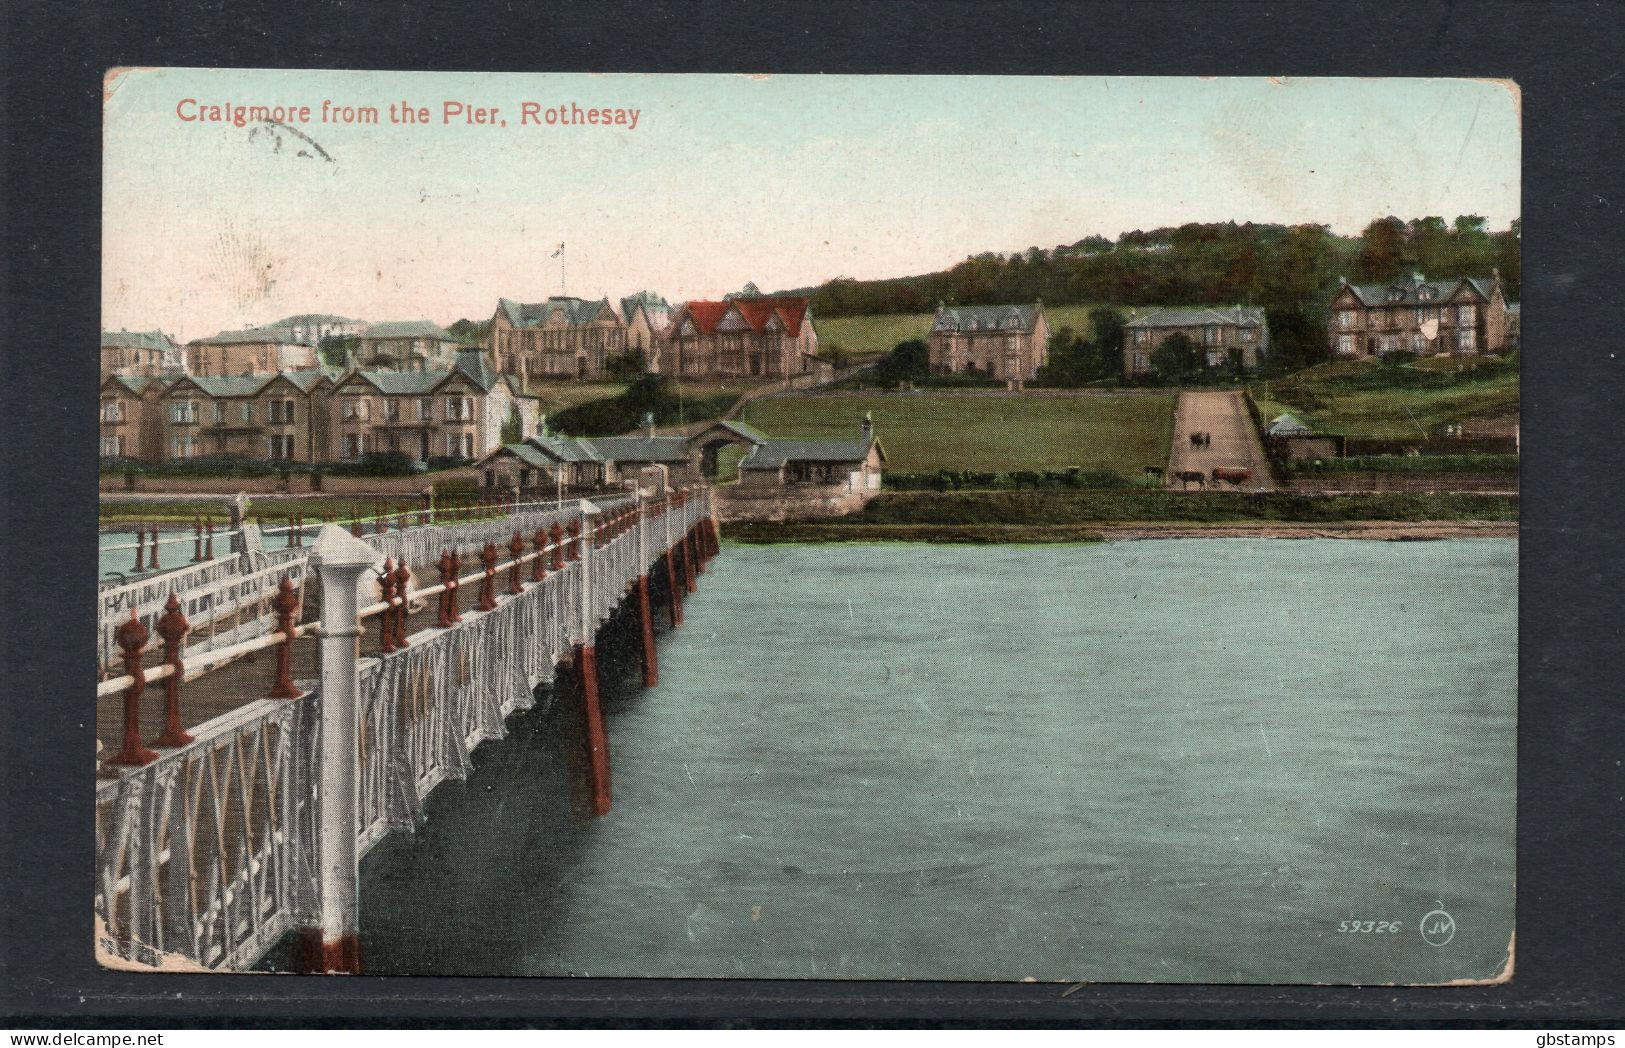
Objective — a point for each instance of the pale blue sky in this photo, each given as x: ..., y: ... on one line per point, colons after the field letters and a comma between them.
x: 784, y: 180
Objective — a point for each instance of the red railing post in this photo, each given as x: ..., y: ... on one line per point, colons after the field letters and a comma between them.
x: 444, y: 618
x: 488, y: 584
x: 172, y: 626
x: 380, y: 522
x: 386, y: 621
x: 355, y: 520
x: 400, y: 518
x: 131, y: 638
x: 538, y: 570
x: 574, y: 529
x: 516, y: 549
x: 197, y: 540
x: 558, y: 546
x: 154, y: 564
x: 285, y: 604
x: 403, y: 578
x: 208, y: 540
x: 456, y: 571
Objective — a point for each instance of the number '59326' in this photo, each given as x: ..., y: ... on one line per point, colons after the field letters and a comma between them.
x: 1368, y: 927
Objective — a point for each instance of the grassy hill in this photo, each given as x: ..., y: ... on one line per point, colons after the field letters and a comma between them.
x: 1363, y: 398
x: 867, y: 337
x: 924, y: 432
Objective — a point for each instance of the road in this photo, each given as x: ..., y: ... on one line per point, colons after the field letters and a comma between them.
x: 1223, y: 416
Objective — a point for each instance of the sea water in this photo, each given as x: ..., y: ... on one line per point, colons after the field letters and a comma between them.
x: 1181, y: 760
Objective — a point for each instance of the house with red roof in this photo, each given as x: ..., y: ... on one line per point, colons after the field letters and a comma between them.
x: 765, y: 336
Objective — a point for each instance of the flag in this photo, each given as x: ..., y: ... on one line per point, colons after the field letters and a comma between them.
x: 557, y: 253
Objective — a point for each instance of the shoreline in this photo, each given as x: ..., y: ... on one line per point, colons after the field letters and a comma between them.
x: 819, y: 532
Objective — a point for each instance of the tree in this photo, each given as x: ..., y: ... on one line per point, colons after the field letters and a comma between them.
x: 1107, y: 325
x: 513, y: 428
x: 334, y: 350
x: 908, y: 361
x: 1297, y: 339
x: 1177, y: 359
x: 625, y: 367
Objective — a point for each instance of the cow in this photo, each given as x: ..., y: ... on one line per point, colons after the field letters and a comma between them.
x: 1232, y: 474
x: 1186, y: 476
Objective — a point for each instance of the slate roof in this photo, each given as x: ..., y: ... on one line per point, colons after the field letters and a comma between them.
x: 1411, y: 289
x: 775, y: 453
x: 1513, y: 308
x: 304, y: 380
x: 407, y: 329
x: 657, y: 309
x: 134, y: 383
x: 527, y: 454
x: 1288, y: 426
x: 230, y: 385
x: 138, y: 340
x: 311, y: 318
x: 248, y: 336
x: 641, y: 449
x: 470, y: 363
x: 565, y: 449
x: 985, y: 318
x: 577, y: 311
x: 1199, y: 316
x: 750, y: 433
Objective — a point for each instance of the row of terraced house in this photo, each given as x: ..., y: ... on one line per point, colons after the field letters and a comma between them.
x: 311, y: 415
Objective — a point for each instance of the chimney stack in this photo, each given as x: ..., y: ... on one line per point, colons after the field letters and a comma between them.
x: 648, y: 423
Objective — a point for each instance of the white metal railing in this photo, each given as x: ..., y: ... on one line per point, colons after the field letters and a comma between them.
x: 210, y: 852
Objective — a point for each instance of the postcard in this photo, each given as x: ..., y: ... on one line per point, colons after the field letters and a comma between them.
x: 1051, y: 529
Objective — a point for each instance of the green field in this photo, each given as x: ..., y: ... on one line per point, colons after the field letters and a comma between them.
x: 924, y: 431
x: 867, y: 337
x: 1366, y: 399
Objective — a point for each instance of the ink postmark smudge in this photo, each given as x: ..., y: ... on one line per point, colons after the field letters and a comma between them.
x: 278, y: 133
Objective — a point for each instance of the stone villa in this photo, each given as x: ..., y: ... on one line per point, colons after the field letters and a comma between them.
x: 1005, y: 342
x: 1456, y: 315
x: 1218, y: 331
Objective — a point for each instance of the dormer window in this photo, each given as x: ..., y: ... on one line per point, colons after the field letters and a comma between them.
x: 1395, y: 294
x: 1425, y: 294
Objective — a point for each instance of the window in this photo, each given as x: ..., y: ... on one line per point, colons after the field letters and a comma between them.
x: 459, y: 409
x: 112, y: 447
x: 219, y: 414
x: 112, y: 411
x: 1249, y: 334
x: 352, y: 446
x: 426, y: 408
x: 1389, y: 344
x: 468, y: 445
x: 1142, y: 362
x: 1139, y: 337
x: 183, y: 411
x: 183, y: 447
x: 1210, y: 335
x: 1464, y: 315
x: 1419, y: 343
x: 1464, y: 338
x: 1345, y: 345
x: 279, y: 447
x: 1345, y: 318
x: 392, y: 409
x: 453, y: 445
x: 1425, y: 294
x: 248, y: 411
x: 355, y: 408
x: 1215, y: 357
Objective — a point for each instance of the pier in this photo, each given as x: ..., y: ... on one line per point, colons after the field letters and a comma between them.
x: 218, y: 837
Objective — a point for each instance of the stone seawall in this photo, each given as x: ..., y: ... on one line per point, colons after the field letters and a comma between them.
x: 777, y: 504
